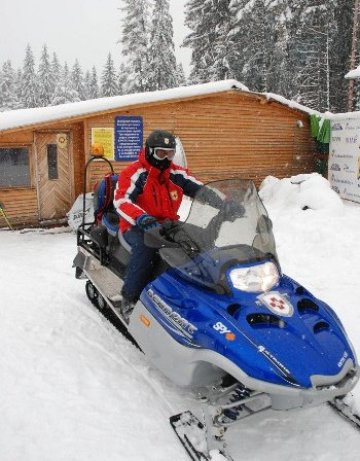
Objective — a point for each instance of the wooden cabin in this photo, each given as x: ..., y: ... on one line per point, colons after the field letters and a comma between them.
x: 225, y: 130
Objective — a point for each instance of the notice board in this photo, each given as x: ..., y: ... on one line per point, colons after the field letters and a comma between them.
x: 128, y: 137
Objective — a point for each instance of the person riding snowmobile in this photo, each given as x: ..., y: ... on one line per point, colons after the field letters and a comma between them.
x: 148, y: 192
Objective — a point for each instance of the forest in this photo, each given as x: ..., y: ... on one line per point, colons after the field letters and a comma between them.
x: 299, y: 49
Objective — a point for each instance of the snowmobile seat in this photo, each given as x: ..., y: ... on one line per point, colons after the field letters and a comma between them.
x: 99, y: 235
x: 110, y: 220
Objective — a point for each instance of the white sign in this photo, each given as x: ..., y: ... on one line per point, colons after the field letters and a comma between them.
x: 75, y: 215
x: 344, y: 158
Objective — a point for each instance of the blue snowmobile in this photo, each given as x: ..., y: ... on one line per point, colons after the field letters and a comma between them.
x: 220, y: 317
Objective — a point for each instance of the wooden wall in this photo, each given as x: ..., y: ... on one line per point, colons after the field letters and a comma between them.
x: 231, y: 134
x: 21, y: 203
x: 226, y: 135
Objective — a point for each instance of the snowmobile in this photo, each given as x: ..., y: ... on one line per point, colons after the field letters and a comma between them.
x: 220, y: 318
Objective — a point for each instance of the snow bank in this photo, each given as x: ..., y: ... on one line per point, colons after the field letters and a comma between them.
x: 302, y: 192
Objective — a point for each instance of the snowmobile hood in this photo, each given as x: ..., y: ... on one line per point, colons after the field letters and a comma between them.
x: 225, y: 292
x: 305, y: 348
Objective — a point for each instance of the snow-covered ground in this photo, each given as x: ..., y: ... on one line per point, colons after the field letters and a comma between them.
x: 73, y: 389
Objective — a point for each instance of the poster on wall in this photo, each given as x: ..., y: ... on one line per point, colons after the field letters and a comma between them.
x: 105, y: 137
x: 344, y: 157
x: 128, y: 137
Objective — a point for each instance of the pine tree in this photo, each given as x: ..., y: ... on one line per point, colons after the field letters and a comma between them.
x: 134, y: 42
x: 122, y: 79
x: 341, y: 43
x: 87, y: 83
x: 18, y: 87
x: 8, y: 96
x: 251, y: 41
x: 29, y: 85
x: 77, y: 79
x: 65, y: 91
x: 312, y: 61
x: 162, y: 72
x: 209, y: 21
x: 94, y: 86
x: 109, y: 85
x: 56, y: 72
x: 45, y: 81
x: 180, y: 75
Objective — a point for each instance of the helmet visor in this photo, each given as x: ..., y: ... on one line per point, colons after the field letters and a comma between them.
x: 160, y: 153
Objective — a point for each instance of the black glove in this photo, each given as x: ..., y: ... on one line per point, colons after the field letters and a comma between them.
x: 147, y: 222
x: 232, y: 210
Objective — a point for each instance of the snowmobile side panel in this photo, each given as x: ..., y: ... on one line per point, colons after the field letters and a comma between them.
x: 192, y: 366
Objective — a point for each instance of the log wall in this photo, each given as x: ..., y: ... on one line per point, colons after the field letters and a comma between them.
x: 226, y: 135
x: 21, y: 203
x: 230, y: 134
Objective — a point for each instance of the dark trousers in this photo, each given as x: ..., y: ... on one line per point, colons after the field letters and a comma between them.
x: 141, y: 264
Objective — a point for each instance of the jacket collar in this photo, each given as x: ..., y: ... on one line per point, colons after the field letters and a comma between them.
x: 155, y: 172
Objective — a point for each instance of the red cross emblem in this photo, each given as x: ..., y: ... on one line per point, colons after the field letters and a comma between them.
x: 277, y: 303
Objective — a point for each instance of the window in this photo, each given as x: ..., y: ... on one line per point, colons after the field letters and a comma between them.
x: 14, y: 167
x: 52, y: 161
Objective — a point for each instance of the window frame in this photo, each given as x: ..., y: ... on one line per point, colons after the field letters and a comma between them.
x: 9, y: 145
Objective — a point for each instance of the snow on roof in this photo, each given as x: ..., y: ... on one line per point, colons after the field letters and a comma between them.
x: 290, y: 103
x: 355, y: 73
x: 26, y: 117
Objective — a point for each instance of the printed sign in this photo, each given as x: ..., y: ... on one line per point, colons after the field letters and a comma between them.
x: 105, y: 137
x: 128, y: 137
x: 344, y: 158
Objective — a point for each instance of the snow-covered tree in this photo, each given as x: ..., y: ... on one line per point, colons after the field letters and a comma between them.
x: 56, y: 72
x: 109, y: 86
x: 8, y: 96
x: 341, y: 45
x: 94, y: 86
x: 209, y: 21
x: 134, y: 42
x: 122, y: 79
x: 65, y: 91
x: 45, y: 79
x: 29, y: 87
x: 87, y: 83
x: 180, y: 75
x: 251, y: 38
x: 77, y: 79
x: 18, y: 87
x: 162, y: 71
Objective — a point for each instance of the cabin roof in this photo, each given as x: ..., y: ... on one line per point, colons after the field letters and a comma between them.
x: 25, y: 118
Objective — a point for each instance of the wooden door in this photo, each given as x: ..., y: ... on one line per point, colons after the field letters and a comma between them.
x: 53, y: 175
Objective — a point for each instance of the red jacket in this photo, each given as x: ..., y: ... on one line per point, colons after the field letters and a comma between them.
x: 142, y: 188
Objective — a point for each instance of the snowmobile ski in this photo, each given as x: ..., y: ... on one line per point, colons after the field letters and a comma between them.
x: 192, y: 435
x: 344, y: 410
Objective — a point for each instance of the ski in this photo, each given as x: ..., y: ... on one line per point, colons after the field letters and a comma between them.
x: 192, y: 435
x: 344, y: 410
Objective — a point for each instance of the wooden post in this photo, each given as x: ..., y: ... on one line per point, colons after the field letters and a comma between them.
x: 353, y: 54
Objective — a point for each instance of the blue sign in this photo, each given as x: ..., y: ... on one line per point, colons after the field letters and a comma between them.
x: 128, y: 137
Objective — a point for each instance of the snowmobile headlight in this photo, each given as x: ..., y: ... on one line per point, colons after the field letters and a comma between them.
x: 255, y: 278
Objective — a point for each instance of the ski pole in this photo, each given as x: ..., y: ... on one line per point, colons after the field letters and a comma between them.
x: 3, y: 214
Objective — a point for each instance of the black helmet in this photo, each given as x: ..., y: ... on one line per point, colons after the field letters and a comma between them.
x: 163, y: 140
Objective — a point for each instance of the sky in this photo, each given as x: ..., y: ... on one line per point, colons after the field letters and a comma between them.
x: 87, y: 30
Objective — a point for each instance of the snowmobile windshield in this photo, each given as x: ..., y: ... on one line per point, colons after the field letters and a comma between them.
x: 227, y: 226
